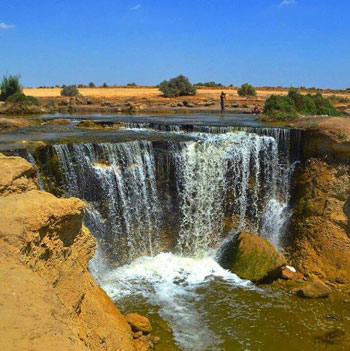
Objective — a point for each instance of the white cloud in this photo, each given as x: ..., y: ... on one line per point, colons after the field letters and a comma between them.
x: 136, y: 7
x: 287, y: 2
x: 5, y: 26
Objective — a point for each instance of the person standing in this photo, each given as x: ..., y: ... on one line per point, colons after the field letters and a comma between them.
x: 222, y: 102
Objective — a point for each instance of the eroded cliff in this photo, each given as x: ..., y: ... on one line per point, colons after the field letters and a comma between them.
x: 48, y: 299
x: 319, y: 232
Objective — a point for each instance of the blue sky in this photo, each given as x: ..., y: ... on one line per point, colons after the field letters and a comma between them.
x: 263, y: 42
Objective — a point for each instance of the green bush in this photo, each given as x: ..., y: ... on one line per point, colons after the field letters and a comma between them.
x: 104, y: 85
x: 69, y: 90
x: 246, y: 90
x: 91, y: 85
x: 178, y: 86
x: 20, y: 98
x: 324, y: 106
x: 131, y: 85
x: 9, y: 85
x: 287, y: 107
x: 281, y: 108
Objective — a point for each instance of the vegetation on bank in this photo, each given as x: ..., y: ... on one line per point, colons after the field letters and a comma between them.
x: 178, y: 86
x: 210, y: 85
x: 9, y: 85
x: 70, y: 90
x: 246, y: 90
x: 15, y: 100
x: 22, y: 99
x: 286, y: 108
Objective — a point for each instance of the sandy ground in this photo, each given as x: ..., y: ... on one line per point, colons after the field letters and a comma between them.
x: 154, y: 93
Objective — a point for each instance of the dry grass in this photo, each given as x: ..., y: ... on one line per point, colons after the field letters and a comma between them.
x: 153, y: 93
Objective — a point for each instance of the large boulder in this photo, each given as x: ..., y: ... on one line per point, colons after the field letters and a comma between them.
x: 314, y: 289
x: 139, y: 323
x: 254, y: 258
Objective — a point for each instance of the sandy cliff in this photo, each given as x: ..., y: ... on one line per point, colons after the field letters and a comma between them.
x: 319, y: 237
x: 48, y: 300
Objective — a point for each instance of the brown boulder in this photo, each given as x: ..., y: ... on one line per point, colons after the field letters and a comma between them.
x: 254, y: 258
x: 139, y: 323
x: 288, y: 274
x: 314, y: 289
x: 16, y: 175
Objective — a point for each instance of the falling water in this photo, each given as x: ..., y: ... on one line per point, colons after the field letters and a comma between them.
x: 235, y: 174
x: 224, y: 181
x: 118, y: 182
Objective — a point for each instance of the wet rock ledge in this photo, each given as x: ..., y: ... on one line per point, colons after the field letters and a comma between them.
x: 48, y: 299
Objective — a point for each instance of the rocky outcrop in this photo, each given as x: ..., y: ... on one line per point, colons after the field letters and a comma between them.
x: 319, y: 241
x: 44, y: 251
x: 313, y: 290
x: 254, y: 258
x: 16, y: 175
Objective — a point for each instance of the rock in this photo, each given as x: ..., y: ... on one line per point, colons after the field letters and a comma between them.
x: 180, y: 104
x: 64, y: 103
x: 291, y: 274
x: 314, y: 289
x: 156, y: 340
x: 139, y: 323
x: 11, y: 123
x: 187, y: 103
x: 44, y: 252
x: 137, y: 335
x: 57, y: 122
x: 16, y: 175
x: 318, y: 236
x: 254, y: 258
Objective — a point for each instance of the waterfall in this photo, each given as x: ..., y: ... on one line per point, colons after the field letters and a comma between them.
x: 211, y: 184
x: 118, y: 182
x: 238, y: 174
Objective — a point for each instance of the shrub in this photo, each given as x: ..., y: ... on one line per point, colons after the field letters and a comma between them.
x: 20, y: 98
x: 281, y: 108
x: 9, y: 85
x: 69, y: 90
x: 246, y: 90
x: 81, y: 85
x: 91, y: 85
x: 178, y: 86
x: 324, y: 106
x: 131, y: 85
x: 104, y: 85
x: 287, y: 107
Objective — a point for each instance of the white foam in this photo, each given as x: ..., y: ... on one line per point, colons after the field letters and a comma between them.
x: 170, y: 282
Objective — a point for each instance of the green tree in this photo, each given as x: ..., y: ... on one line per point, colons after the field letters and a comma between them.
x: 70, y: 90
x: 9, y: 85
x: 91, y: 85
x: 246, y: 90
x: 104, y: 85
x: 178, y: 86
